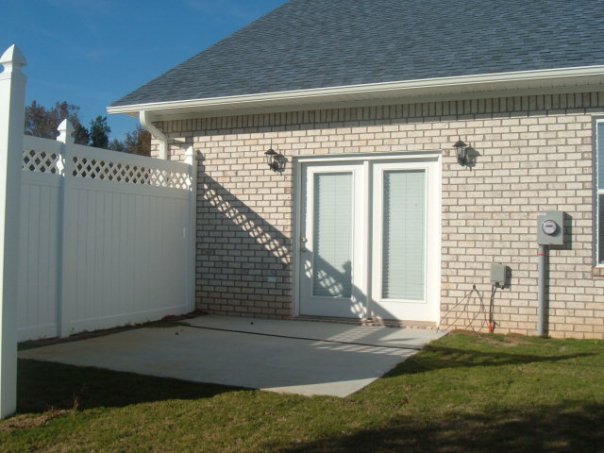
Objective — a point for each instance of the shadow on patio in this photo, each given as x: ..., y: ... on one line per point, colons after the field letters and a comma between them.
x: 44, y: 386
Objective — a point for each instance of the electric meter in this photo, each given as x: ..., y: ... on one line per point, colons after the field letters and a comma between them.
x: 550, y: 228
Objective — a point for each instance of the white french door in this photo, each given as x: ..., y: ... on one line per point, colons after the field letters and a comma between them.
x: 333, y: 275
x: 369, y: 239
x: 406, y: 238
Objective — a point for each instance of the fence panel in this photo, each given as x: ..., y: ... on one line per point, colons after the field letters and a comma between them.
x: 106, y: 239
x: 41, y: 181
x: 126, y: 239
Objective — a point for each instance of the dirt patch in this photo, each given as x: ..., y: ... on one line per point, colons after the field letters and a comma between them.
x: 509, y: 340
x: 167, y: 321
x: 32, y: 421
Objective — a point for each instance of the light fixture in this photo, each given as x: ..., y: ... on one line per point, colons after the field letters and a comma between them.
x: 466, y: 155
x: 275, y: 161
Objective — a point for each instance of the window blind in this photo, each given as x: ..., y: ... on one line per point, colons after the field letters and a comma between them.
x: 404, y: 235
x: 332, y: 241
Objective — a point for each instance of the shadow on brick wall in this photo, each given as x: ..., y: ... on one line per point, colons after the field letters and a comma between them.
x: 243, y: 262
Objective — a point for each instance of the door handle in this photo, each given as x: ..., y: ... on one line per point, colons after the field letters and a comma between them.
x: 303, y: 242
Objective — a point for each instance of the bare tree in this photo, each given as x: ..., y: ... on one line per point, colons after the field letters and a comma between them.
x: 43, y: 122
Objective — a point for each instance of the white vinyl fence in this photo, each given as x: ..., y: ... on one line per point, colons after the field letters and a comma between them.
x: 89, y: 238
x: 105, y: 238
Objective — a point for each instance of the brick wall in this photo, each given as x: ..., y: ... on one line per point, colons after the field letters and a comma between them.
x: 535, y: 155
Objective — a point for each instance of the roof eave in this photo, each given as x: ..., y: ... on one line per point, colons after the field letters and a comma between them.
x: 444, y: 88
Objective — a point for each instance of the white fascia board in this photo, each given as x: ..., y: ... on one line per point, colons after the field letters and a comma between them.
x: 486, y: 84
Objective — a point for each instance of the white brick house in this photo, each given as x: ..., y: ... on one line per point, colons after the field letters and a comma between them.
x: 373, y: 218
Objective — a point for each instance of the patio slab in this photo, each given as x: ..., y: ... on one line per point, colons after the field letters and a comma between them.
x: 322, y: 331
x: 302, y: 357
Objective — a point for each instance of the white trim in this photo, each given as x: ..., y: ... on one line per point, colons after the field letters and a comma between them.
x: 437, y: 174
x: 598, y: 191
x: 374, y: 157
x: 367, y: 213
x: 439, y: 86
x: 296, y: 230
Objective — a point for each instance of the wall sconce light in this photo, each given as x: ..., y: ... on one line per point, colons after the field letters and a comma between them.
x: 275, y: 161
x: 466, y: 155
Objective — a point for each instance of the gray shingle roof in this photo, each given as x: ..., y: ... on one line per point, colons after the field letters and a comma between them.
x: 309, y: 44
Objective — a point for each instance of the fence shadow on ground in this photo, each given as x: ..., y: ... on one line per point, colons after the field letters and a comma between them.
x: 569, y: 427
x: 43, y: 386
x: 439, y: 357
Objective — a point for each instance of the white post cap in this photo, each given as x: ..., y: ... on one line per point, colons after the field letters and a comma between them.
x: 12, y: 58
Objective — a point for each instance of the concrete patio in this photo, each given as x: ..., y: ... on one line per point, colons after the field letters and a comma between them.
x: 302, y: 357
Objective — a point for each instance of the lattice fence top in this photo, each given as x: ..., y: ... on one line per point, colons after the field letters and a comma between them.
x: 50, y: 157
x: 102, y: 170
x: 48, y: 162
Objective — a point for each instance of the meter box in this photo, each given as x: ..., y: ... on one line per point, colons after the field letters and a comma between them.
x: 550, y: 228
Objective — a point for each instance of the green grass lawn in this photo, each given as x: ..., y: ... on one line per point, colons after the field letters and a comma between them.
x: 463, y: 393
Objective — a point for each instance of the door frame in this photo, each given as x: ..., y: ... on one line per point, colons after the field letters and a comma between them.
x: 431, y: 249
x: 433, y: 156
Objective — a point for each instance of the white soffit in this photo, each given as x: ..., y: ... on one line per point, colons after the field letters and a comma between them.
x: 424, y: 90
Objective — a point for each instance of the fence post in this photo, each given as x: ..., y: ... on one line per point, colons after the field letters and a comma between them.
x: 191, y: 159
x: 65, y: 130
x: 12, y: 112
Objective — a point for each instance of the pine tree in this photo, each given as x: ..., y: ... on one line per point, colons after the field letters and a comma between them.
x: 99, y: 132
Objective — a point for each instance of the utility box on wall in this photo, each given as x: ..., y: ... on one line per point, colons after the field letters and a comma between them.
x: 550, y: 228
x: 500, y: 275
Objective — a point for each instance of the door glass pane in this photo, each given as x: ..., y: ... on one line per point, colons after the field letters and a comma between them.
x: 404, y: 235
x: 332, y: 242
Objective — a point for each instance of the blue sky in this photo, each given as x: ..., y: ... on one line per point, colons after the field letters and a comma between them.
x: 92, y: 52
